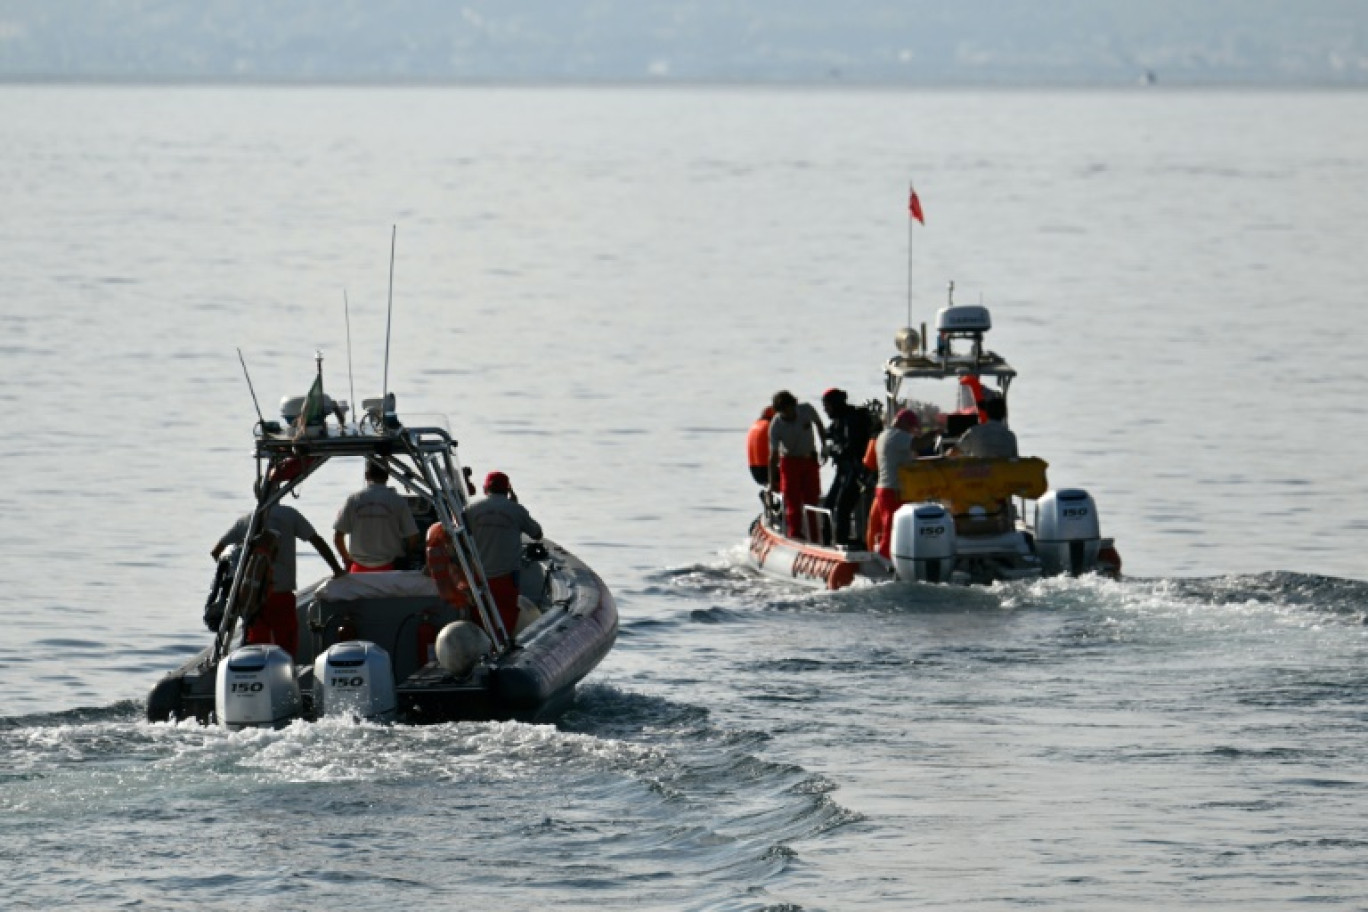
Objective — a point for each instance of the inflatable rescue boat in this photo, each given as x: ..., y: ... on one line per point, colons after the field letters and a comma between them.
x: 962, y: 520
x: 422, y: 643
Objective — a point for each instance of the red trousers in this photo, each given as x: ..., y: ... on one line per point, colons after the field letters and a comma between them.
x: 354, y: 567
x: 276, y: 622
x: 879, y: 535
x: 800, y: 482
x: 505, y: 590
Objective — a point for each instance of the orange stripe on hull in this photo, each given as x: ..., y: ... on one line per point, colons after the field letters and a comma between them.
x: 810, y: 562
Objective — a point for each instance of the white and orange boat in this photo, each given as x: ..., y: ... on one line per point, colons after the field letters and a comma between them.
x: 962, y: 520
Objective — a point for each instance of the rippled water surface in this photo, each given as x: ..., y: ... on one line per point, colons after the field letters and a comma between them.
x: 599, y: 289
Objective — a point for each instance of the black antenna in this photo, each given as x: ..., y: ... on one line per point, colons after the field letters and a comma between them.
x: 346, y: 310
x: 389, y: 315
x: 251, y: 389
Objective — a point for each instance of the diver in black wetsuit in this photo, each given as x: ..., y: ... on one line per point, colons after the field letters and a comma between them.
x: 847, y: 438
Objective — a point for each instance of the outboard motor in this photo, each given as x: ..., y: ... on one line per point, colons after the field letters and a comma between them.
x: 354, y: 679
x: 1068, y: 534
x: 256, y: 686
x: 923, y: 546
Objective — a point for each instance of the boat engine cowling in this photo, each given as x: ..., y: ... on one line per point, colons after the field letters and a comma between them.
x: 256, y: 686
x: 1068, y: 532
x: 923, y: 545
x: 355, y: 678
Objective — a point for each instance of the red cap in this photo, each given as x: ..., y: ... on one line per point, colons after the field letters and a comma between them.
x: 497, y: 483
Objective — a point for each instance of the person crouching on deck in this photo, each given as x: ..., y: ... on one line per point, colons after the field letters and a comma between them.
x: 497, y: 522
x: 895, y: 449
x: 794, y: 470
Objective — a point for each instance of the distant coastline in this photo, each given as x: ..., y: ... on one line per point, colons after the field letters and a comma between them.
x: 808, y: 43
x: 1139, y: 86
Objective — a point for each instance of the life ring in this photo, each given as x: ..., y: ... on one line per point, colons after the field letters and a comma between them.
x: 256, y: 576
x: 451, y: 582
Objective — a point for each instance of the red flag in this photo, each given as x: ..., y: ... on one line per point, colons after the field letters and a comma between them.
x: 914, y: 205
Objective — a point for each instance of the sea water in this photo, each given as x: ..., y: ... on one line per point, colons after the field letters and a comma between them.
x: 600, y: 289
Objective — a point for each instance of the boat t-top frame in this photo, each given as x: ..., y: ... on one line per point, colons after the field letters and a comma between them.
x: 422, y: 459
x: 952, y: 358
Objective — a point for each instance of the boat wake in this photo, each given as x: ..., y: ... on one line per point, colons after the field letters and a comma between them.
x: 1288, y: 597
x: 1342, y: 598
x: 628, y: 788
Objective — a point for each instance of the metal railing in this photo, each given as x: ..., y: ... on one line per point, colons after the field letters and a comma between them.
x: 817, y: 521
x: 433, y: 467
x: 817, y: 524
x: 450, y: 506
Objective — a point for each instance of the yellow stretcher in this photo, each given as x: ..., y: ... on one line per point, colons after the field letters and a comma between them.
x: 961, y: 484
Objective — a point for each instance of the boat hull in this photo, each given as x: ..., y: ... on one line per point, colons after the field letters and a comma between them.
x: 810, y: 564
x: 533, y: 681
x: 981, y: 560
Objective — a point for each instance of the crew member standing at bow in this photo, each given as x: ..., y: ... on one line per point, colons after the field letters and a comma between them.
x: 794, y: 470
x: 498, y: 522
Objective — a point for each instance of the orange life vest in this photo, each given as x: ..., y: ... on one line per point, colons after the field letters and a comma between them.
x: 871, y: 454
x: 757, y: 443
x: 976, y: 390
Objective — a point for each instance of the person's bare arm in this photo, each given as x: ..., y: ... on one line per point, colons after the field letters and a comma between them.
x: 531, y: 527
x: 340, y: 541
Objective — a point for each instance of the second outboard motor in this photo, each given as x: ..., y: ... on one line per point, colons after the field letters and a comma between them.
x: 256, y: 686
x: 1068, y: 533
x: 923, y: 545
x: 354, y: 679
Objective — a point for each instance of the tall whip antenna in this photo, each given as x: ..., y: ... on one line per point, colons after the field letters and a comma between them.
x: 346, y: 311
x: 909, y: 273
x: 389, y: 315
x: 250, y: 388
